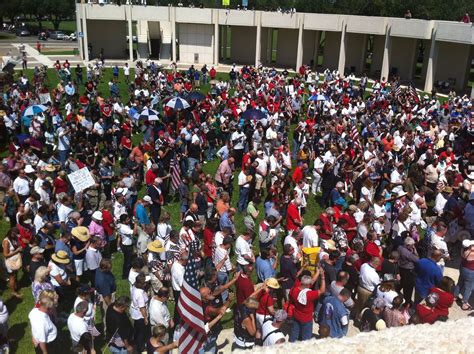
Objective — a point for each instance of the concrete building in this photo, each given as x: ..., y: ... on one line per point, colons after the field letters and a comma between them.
x: 425, y: 52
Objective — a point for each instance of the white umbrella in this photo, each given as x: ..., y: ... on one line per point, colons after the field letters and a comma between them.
x: 34, y: 110
x: 177, y: 103
x: 147, y: 114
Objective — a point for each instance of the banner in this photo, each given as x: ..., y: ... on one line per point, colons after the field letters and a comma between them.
x: 225, y: 2
x: 81, y: 179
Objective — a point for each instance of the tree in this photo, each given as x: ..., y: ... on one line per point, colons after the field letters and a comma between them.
x: 59, y: 10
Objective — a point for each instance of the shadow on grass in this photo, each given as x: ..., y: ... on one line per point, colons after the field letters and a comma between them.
x: 16, y: 333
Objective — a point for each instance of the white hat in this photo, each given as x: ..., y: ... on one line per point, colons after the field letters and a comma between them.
x: 29, y: 169
x: 467, y: 243
x: 147, y: 199
x: 97, y: 215
x: 121, y: 191
x: 471, y: 175
x: 401, y: 193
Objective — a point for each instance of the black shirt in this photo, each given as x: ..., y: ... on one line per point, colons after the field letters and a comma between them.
x: 118, y: 322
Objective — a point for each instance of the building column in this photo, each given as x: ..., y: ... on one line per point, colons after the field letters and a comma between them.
x: 431, y: 65
x: 363, y: 55
x: 224, y: 42
x: 342, y: 51
x: 387, y: 49
x: 85, y: 40
x: 216, y: 38
x: 258, y: 43
x: 317, y: 40
x: 299, y: 53
x: 130, y: 33
x: 80, y: 40
x: 173, y: 34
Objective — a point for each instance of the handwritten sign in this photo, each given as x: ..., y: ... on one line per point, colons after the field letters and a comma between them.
x: 81, y: 179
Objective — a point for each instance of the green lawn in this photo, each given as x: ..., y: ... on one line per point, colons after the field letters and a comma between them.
x: 60, y: 52
x: 7, y: 36
x: 19, y: 327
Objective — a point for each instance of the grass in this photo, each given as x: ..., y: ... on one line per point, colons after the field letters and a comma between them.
x: 59, y: 52
x: 7, y: 36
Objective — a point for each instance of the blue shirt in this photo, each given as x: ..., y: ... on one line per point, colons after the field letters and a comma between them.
x: 61, y: 246
x: 428, y: 275
x: 142, y: 215
x: 225, y: 221
x: 264, y: 269
x: 104, y: 283
x: 335, y: 315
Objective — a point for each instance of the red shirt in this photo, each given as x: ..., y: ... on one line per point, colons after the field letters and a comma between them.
x: 126, y: 142
x: 212, y: 73
x: 446, y: 300
x: 298, y: 174
x: 266, y: 301
x: 326, y: 228
x: 244, y: 288
x: 208, y: 236
x: 351, y: 223
x: 372, y: 250
x: 427, y: 315
x: 292, y: 215
x: 107, y: 222
x: 303, y: 313
x: 60, y: 185
x: 150, y: 177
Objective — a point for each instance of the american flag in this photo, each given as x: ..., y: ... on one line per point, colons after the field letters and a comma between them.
x: 175, y: 174
x: 413, y: 93
x: 193, y: 334
x: 398, y: 89
x: 355, y: 136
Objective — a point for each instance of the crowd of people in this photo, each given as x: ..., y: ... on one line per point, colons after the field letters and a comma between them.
x: 393, y: 174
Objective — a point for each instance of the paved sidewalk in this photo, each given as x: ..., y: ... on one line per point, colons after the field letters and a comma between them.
x: 37, y: 56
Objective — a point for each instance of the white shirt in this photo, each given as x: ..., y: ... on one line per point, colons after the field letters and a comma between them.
x: 440, y: 203
x: 77, y: 327
x: 438, y: 243
x: 63, y: 212
x: 132, y: 276
x: 396, y: 177
x: 177, y: 276
x: 218, y: 239
x: 54, y: 271
x: 38, y: 222
x: 274, y: 337
x: 21, y: 186
x: 262, y: 167
x: 368, y: 278
x: 126, y: 70
x: 93, y: 258
x: 159, y: 313
x: 243, y: 182
x: 240, y: 137
x: 139, y: 300
x: 126, y: 234
x: 310, y: 237
x: 242, y: 248
x: 219, y: 254
x: 43, y: 329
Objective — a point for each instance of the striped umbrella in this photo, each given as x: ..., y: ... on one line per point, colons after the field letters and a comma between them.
x: 34, y: 110
x: 147, y: 114
x: 177, y: 103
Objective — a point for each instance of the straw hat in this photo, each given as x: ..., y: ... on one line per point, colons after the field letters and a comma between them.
x: 272, y: 283
x: 81, y: 233
x: 49, y: 168
x: 61, y: 257
x: 156, y: 246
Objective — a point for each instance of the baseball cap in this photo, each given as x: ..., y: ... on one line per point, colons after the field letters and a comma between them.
x: 36, y: 250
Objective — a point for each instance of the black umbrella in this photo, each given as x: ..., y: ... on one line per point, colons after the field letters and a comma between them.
x: 253, y: 114
x: 195, y: 96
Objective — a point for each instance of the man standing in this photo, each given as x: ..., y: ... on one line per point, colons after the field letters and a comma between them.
x: 224, y: 175
x: 244, y: 186
x: 77, y: 326
x: 64, y: 142
x: 428, y: 275
x: 293, y: 216
x: 154, y: 191
x: 334, y: 314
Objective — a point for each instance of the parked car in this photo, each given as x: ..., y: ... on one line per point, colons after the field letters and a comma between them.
x: 71, y: 37
x: 58, y: 35
x: 22, y: 32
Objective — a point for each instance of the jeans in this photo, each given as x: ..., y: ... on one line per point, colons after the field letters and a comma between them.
x: 223, y: 278
x: 210, y: 345
x: 301, y: 331
x: 63, y: 154
x: 466, y: 283
x: 191, y: 163
x: 117, y: 350
x: 243, y: 199
x: 211, y: 153
x: 127, y: 260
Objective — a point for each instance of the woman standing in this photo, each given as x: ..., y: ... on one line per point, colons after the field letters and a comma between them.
x: 79, y: 244
x: 245, y: 325
x: 13, y: 262
x: 139, y: 313
x: 466, y: 277
x: 41, y: 282
x: 43, y: 330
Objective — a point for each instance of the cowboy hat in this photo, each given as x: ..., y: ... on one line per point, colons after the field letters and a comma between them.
x: 81, y: 233
x: 97, y: 215
x: 156, y: 246
x: 49, y: 168
x: 272, y: 283
x: 61, y: 257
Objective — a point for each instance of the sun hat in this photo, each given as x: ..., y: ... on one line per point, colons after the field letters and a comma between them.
x: 61, y: 257
x: 81, y: 233
x: 29, y: 169
x: 97, y: 215
x: 49, y: 168
x: 156, y: 246
x: 36, y: 250
x: 467, y: 243
x: 147, y: 199
x: 272, y: 283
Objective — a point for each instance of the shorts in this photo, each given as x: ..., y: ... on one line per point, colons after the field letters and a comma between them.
x: 79, y: 264
x: 259, y: 179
